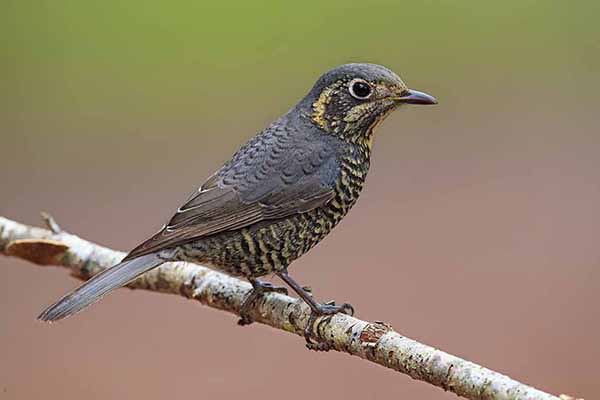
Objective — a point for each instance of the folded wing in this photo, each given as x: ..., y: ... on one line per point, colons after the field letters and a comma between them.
x: 273, y: 176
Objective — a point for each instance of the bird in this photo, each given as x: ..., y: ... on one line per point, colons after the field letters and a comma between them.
x: 278, y: 196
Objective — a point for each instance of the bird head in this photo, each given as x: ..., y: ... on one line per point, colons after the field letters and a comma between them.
x: 352, y: 99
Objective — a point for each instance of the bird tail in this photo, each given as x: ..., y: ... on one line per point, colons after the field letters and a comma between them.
x: 99, y: 285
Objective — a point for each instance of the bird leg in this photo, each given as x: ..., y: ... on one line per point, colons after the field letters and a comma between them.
x: 317, y: 310
x: 258, y: 289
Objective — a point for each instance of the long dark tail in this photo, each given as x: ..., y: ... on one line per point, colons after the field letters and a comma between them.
x: 93, y: 290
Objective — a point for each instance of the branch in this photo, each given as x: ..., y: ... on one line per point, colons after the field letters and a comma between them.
x: 373, y: 341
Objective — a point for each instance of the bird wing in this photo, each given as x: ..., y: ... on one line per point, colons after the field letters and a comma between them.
x: 273, y: 176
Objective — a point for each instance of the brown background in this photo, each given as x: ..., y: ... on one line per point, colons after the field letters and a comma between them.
x: 478, y: 231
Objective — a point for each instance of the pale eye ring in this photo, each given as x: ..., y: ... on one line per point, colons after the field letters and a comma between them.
x: 360, y: 89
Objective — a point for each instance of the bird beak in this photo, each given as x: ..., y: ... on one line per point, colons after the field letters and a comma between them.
x: 415, y: 97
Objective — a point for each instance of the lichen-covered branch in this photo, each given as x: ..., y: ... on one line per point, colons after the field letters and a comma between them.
x: 373, y: 341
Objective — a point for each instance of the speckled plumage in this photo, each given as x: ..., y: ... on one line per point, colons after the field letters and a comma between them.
x: 279, y: 195
x: 261, y: 248
x: 334, y: 170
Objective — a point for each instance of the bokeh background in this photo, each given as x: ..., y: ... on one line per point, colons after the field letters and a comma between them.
x: 478, y: 231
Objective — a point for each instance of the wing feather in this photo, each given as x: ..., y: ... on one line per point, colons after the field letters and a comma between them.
x: 271, y: 177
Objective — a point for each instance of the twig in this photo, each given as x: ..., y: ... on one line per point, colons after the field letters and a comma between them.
x: 50, y: 222
x: 373, y: 341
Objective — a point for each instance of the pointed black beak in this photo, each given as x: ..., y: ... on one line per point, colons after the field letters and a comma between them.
x: 415, y: 97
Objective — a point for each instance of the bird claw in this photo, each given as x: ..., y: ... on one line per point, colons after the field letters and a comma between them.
x: 325, y: 309
x: 244, y: 320
x: 308, y: 290
x: 268, y: 287
x: 259, y: 288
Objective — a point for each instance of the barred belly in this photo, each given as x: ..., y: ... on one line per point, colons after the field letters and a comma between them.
x: 262, y: 248
x: 271, y: 246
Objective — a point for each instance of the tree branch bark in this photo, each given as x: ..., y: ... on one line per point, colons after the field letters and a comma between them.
x: 373, y: 341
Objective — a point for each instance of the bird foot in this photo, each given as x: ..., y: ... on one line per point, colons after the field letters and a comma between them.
x: 259, y: 288
x: 308, y: 290
x: 326, y: 309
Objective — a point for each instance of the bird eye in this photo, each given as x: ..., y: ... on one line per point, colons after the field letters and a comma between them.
x: 360, y: 89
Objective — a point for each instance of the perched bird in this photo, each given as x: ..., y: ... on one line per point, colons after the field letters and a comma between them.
x: 279, y: 195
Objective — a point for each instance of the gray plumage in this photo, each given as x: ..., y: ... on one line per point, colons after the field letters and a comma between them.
x: 94, y: 289
x: 278, y: 196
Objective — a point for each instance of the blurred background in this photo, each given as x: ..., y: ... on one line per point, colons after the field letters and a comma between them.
x: 478, y: 231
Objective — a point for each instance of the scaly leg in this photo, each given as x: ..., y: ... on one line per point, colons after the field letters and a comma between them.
x: 258, y: 289
x: 317, y: 310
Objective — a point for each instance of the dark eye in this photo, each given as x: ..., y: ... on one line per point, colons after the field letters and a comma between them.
x: 360, y: 89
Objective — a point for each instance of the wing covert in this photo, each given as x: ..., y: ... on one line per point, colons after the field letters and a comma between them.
x: 273, y: 176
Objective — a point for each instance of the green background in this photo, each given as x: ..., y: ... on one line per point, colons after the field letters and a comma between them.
x: 477, y: 231
x: 137, y: 58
